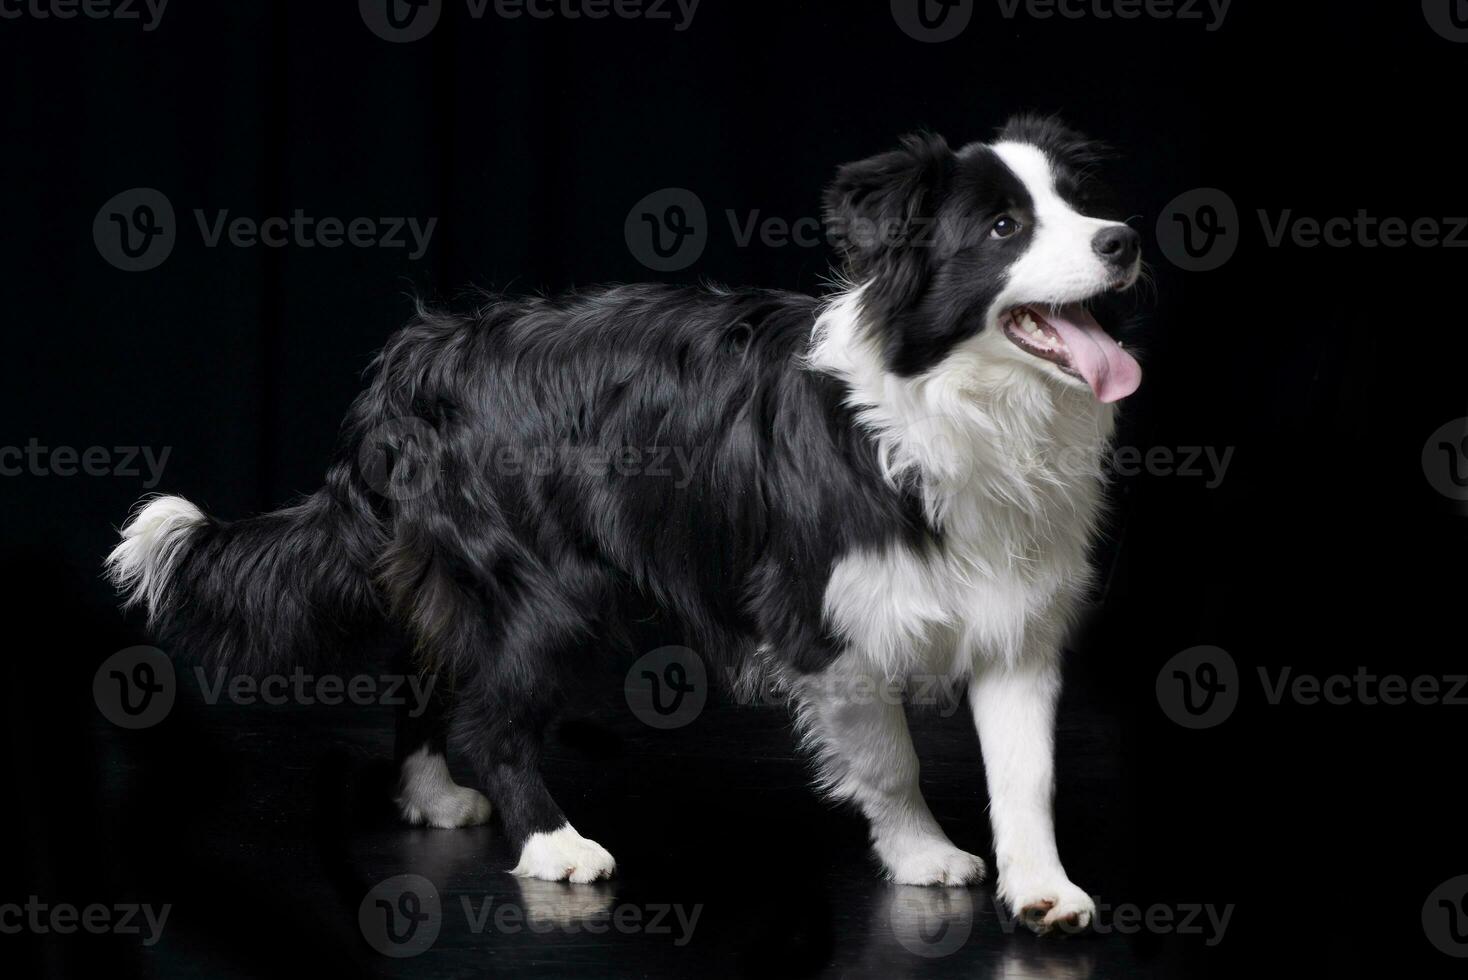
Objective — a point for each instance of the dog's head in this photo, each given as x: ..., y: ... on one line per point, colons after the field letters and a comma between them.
x: 995, y: 245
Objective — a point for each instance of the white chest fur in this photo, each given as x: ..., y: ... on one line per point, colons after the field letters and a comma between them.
x: 1010, y: 465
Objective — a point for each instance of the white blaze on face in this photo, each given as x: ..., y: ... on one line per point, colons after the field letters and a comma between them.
x: 1057, y: 272
x: 1059, y: 265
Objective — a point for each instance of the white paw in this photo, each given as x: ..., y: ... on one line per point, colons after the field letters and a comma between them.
x: 930, y: 861
x: 428, y: 795
x: 1048, y: 905
x: 456, y: 806
x: 564, y: 855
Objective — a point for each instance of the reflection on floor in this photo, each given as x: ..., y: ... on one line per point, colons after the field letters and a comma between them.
x: 269, y: 832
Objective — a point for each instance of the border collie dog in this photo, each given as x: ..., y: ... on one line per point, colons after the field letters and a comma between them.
x: 898, y: 480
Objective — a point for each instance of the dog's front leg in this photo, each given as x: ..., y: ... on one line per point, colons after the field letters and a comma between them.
x: 1014, y: 710
x: 866, y: 757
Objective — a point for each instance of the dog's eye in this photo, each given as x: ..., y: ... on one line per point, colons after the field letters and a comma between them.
x: 1004, y: 227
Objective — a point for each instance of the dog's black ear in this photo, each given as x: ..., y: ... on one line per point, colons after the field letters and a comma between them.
x: 1061, y: 143
x: 880, y: 216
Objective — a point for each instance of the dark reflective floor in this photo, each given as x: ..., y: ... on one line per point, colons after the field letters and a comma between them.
x: 269, y: 832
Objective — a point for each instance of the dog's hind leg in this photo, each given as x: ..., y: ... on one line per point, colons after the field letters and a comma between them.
x: 510, y: 626
x: 427, y: 793
x: 500, y: 720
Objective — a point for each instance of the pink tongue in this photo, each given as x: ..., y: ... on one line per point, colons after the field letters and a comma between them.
x: 1111, y: 372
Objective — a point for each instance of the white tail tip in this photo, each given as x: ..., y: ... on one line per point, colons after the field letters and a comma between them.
x: 152, y: 541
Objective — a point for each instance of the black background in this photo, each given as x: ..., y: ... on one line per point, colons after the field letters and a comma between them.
x: 1324, y: 370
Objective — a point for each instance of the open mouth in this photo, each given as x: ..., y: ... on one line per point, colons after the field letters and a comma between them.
x: 1070, y: 338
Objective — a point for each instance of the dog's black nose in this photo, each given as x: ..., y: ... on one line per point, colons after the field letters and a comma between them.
x: 1118, y: 244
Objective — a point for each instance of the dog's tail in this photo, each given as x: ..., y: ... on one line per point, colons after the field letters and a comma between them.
x: 258, y: 594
